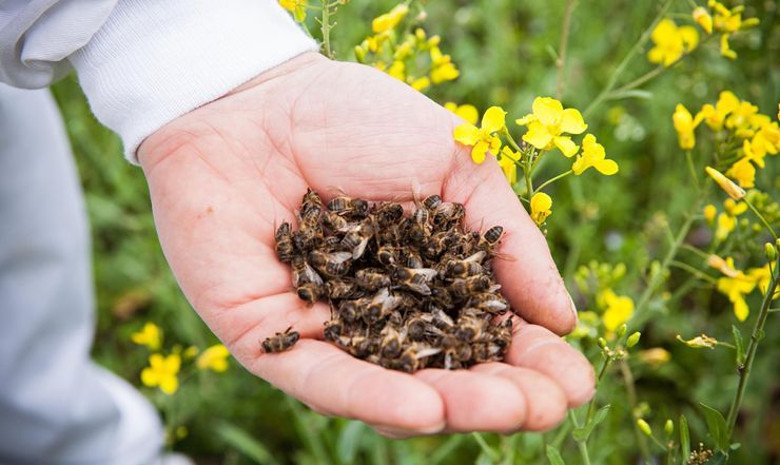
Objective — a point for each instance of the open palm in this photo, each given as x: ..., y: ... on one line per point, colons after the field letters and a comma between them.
x: 223, y: 176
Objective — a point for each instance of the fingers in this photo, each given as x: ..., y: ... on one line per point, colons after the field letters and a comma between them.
x: 538, y: 349
x: 333, y: 382
x: 477, y: 401
x: 529, y: 276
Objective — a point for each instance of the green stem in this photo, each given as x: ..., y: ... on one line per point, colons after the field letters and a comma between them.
x: 761, y: 218
x: 692, y: 169
x: 750, y: 354
x: 560, y: 63
x: 529, y: 185
x: 582, y: 446
x: 552, y: 180
x: 485, y: 447
x: 592, y: 403
x: 626, y: 60
x: 640, y: 80
x: 325, y: 29
x: 628, y: 379
x: 693, y: 271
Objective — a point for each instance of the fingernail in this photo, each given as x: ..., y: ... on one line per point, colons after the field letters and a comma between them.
x: 573, y: 309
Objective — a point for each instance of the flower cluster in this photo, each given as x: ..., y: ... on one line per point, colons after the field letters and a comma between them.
x: 549, y: 127
x: 739, y: 124
x: 412, y: 57
x: 717, y: 19
x: 163, y: 370
x: 671, y: 42
x: 736, y: 284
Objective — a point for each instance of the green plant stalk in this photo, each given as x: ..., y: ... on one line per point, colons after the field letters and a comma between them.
x: 485, y: 447
x: 692, y: 169
x: 761, y: 218
x: 582, y: 446
x: 552, y: 180
x: 693, y: 271
x: 755, y: 339
x: 626, y: 60
x: 325, y: 27
x: 560, y: 63
x: 628, y: 379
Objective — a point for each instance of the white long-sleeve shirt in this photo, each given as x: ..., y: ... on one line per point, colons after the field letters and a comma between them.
x: 142, y: 63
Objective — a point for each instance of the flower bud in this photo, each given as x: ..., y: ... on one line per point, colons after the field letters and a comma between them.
x: 702, y: 17
x: 669, y: 427
x: 622, y: 330
x: 602, y: 343
x: 644, y: 427
x: 360, y: 54
x: 728, y: 186
x: 771, y: 251
x: 633, y: 339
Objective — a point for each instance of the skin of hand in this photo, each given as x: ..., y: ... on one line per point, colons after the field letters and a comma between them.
x: 222, y: 177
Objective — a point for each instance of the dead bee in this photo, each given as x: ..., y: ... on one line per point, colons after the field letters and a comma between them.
x: 432, y: 202
x: 311, y: 201
x: 461, y: 288
x: 391, y: 343
x: 344, y: 205
x: 284, y: 245
x: 330, y: 264
x: 417, y: 325
x: 280, y: 341
x: 457, y: 354
x: 488, y: 302
x: 333, y: 330
x: 381, y: 305
x: 448, y: 214
x: 334, y: 221
x: 470, y: 329
x: 361, y: 346
x: 486, y: 352
x: 442, y: 297
x: 341, y: 289
x: 311, y: 292
x: 413, y: 358
x: 372, y: 279
x: 388, y: 214
x: 357, y: 239
x: 350, y: 310
x: 441, y: 320
x: 303, y: 273
x: 490, y: 240
x: 420, y: 228
x: 414, y: 279
x: 469, y: 266
x: 409, y: 258
x: 386, y: 255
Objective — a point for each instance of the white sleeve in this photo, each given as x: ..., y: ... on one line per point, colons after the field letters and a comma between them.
x: 143, y: 63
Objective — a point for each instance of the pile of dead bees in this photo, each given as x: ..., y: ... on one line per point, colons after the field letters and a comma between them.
x: 406, y: 292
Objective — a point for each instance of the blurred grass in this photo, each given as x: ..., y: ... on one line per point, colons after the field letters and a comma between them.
x: 505, y: 51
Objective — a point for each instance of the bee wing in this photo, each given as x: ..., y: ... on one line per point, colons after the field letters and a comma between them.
x: 477, y: 257
x: 340, y: 257
x: 358, y: 251
x: 427, y: 273
x: 312, y: 275
x: 427, y: 352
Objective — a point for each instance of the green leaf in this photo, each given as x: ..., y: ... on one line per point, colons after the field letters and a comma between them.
x: 739, y: 344
x: 245, y: 443
x: 350, y: 440
x: 716, y: 425
x: 685, y: 439
x: 718, y: 459
x: 582, y: 433
x: 554, y: 456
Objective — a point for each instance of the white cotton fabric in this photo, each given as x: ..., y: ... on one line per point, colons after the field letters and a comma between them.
x: 145, y: 62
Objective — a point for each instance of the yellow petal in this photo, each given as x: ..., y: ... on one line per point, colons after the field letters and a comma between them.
x: 538, y: 135
x: 566, y: 145
x: 169, y: 384
x: 741, y: 310
x: 494, y: 119
x: 466, y: 134
x: 547, y: 110
x: 572, y: 122
x: 579, y: 166
x: 478, y: 152
x: 525, y: 120
x: 690, y: 37
x: 665, y: 30
x: 468, y: 112
x: 606, y: 167
x: 541, y: 202
x: 149, y: 377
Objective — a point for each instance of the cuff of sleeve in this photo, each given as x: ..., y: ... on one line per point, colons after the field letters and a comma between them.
x: 154, y: 61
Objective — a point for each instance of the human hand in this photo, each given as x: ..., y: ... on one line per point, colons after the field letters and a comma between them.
x: 223, y: 176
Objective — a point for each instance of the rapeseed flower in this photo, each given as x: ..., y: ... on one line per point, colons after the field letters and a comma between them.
x: 736, y: 287
x: 671, y: 42
x: 541, y: 207
x: 715, y: 116
x: 443, y: 69
x: 619, y: 309
x: 465, y: 111
x: 483, y: 138
x: 549, y: 122
x: 150, y: 336
x: 593, y: 155
x: 162, y: 372
x: 685, y: 124
x: 744, y: 172
x: 296, y: 7
x: 727, y: 221
x: 389, y: 20
x: 214, y: 358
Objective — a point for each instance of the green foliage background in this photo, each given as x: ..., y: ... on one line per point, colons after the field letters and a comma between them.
x: 506, y: 53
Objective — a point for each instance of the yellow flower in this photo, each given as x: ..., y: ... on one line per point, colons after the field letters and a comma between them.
x: 685, y: 124
x: 709, y: 213
x: 397, y: 70
x: 733, y: 190
x: 755, y: 155
x: 150, y: 336
x: 389, y: 20
x: 420, y: 83
x: 671, y: 42
x: 593, y: 155
x: 508, y: 165
x: 547, y: 124
x: 466, y: 111
x: 655, y: 356
x: 482, y: 139
x: 702, y: 17
x: 162, y: 372
x: 715, y: 116
x: 296, y: 7
x: 214, y: 358
x: 724, y: 266
x: 735, y: 288
x: 766, y: 140
x: 763, y: 276
x: 742, y: 116
x: 725, y: 50
x: 726, y: 224
x: 619, y: 309
x: 541, y: 207
x: 443, y: 67
x: 744, y: 172
x: 699, y: 342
